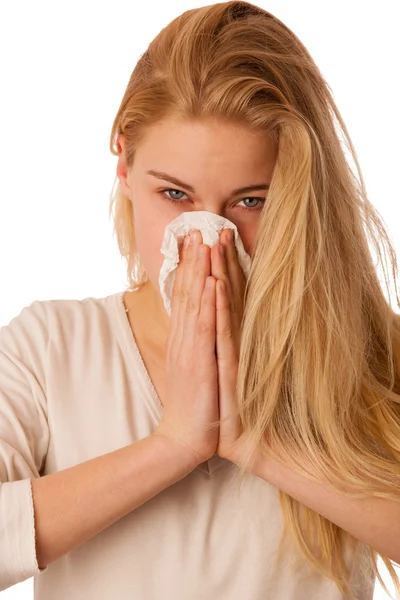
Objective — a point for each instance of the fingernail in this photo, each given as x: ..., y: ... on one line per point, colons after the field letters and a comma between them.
x: 221, y: 249
x: 229, y: 235
x: 186, y: 241
x: 193, y: 238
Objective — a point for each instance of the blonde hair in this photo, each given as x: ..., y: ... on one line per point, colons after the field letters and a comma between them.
x: 319, y: 369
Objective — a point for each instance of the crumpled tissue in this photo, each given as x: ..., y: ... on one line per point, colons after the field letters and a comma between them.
x: 210, y: 226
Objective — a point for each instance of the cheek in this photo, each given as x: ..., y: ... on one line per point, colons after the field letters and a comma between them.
x: 247, y: 235
x: 149, y: 234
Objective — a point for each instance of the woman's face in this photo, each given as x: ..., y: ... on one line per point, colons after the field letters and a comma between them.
x: 183, y: 166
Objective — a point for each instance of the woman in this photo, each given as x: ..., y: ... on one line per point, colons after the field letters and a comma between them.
x: 123, y: 431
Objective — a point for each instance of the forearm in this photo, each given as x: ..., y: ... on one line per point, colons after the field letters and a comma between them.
x: 374, y: 521
x: 73, y: 505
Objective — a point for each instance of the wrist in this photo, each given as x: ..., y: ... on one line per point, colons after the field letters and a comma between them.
x: 172, y: 449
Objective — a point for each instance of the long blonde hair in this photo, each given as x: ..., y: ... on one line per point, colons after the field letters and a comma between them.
x: 319, y: 369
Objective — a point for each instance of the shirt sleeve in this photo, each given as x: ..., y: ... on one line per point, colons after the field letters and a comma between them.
x: 24, y: 438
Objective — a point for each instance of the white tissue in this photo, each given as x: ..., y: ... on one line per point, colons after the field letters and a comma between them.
x: 210, y: 226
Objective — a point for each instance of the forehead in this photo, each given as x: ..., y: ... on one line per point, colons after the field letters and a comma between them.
x: 209, y: 144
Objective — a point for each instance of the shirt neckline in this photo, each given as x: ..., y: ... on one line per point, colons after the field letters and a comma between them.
x: 209, y: 465
x: 132, y: 343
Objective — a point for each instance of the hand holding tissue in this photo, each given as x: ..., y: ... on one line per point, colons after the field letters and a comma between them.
x: 210, y: 225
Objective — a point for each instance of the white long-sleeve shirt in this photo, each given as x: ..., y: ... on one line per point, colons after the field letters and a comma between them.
x: 73, y: 386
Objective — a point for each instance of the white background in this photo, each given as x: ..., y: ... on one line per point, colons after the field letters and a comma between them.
x: 64, y: 69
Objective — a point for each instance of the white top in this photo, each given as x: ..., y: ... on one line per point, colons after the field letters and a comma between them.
x: 73, y: 386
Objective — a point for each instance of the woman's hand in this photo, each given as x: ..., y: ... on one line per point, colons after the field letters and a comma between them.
x: 191, y: 397
x: 231, y: 284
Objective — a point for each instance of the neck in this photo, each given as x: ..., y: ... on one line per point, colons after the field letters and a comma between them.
x: 153, y: 320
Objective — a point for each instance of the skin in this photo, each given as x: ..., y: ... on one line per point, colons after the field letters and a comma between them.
x: 214, y: 158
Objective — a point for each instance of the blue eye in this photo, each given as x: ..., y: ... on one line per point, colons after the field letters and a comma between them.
x: 258, y: 207
x: 173, y: 199
x: 165, y: 196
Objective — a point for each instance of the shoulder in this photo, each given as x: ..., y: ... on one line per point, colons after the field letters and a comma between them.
x: 43, y: 321
x: 30, y: 323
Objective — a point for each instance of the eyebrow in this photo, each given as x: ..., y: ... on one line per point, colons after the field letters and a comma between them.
x: 175, y: 181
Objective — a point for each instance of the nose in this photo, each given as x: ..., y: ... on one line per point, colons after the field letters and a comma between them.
x: 211, y: 208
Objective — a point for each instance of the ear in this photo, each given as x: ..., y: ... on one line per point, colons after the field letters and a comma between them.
x: 122, y: 170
